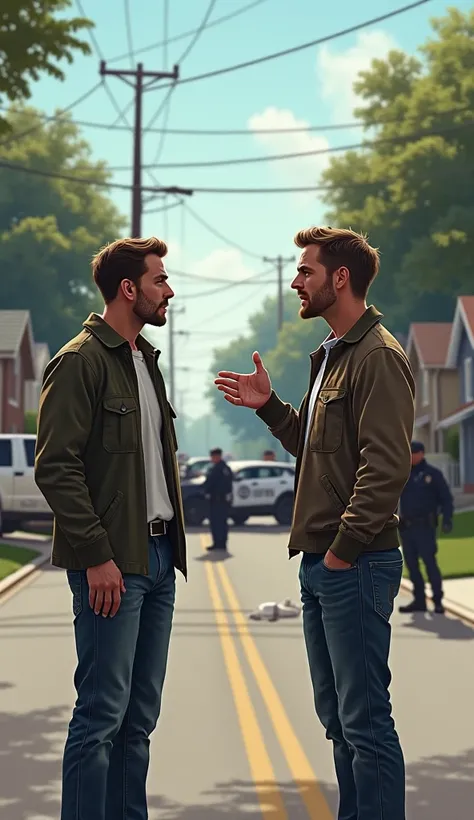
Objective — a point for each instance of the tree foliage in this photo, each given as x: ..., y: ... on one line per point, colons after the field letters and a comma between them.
x: 285, y: 356
x: 414, y: 197
x: 33, y: 41
x: 50, y: 227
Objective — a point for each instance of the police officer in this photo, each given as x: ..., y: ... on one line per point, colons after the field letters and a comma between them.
x: 425, y: 495
x: 218, y: 491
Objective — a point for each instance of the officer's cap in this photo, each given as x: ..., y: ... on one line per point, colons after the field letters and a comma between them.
x: 417, y: 447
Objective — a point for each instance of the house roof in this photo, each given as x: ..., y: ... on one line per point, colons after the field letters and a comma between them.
x: 463, y: 320
x: 431, y: 342
x: 463, y: 412
x: 12, y: 329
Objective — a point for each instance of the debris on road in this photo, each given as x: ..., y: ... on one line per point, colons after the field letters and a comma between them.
x: 272, y: 611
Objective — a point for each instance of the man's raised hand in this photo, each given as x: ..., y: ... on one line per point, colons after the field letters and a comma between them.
x: 246, y: 389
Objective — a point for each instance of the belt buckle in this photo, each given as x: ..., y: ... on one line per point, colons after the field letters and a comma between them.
x: 157, y: 528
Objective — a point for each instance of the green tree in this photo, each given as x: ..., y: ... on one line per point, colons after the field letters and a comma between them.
x: 50, y: 227
x: 413, y: 196
x: 33, y: 41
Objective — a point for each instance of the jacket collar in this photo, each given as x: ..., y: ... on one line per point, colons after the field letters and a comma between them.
x: 367, y: 321
x: 109, y: 337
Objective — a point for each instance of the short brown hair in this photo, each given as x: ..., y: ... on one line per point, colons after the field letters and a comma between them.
x: 341, y: 247
x: 123, y: 259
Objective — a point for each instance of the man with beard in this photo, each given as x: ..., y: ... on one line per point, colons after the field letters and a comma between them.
x: 106, y: 463
x: 351, y: 437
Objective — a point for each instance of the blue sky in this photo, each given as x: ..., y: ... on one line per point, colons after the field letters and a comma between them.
x: 311, y: 87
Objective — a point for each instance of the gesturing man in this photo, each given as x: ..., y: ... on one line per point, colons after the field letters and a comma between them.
x: 106, y: 463
x: 351, y: 437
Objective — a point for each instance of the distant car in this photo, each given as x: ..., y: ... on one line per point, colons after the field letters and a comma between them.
x: 195, y: 467
x: 21, y: 500
x: 261, y: 488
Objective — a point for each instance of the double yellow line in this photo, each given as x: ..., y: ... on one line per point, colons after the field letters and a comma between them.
x: 268, y: 791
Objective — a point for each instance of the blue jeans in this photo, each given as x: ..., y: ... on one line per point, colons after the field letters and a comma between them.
x: 346, y: 617
x: 119, y: 681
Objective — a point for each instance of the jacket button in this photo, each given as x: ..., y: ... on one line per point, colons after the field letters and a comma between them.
x: 123, y: 408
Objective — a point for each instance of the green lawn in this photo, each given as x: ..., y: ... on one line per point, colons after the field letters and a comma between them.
x: 13, y: 558
x: 456, y: 550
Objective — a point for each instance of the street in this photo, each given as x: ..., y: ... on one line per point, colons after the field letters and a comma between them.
x: 238, y: 733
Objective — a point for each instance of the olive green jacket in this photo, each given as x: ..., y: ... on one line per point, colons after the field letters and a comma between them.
x: 89, y: 456
x: 350, y: 476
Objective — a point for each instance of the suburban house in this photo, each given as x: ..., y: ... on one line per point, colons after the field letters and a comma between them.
x: 17, y: 367
x: 461, y: 356
x: 33, y: 388
x: 437, y: 383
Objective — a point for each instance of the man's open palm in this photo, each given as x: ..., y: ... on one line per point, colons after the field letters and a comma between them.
x: 246, y: 389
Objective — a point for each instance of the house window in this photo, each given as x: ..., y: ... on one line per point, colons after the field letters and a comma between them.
x: 425, y: 386
x: 468, y: 380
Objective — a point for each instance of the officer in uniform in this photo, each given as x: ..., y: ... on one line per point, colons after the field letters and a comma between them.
x: 218, y: 491
x: 425, y: 495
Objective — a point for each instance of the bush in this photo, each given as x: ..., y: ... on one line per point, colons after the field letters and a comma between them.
x: 31, y: 421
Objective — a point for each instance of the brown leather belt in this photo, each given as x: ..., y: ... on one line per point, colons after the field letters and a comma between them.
x: 157, y: 527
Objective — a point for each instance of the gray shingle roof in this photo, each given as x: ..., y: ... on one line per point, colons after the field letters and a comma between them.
x: 12, y: 328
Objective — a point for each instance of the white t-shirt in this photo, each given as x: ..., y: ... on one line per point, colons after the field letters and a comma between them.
x: 158, y: 502
x: 328, y: 345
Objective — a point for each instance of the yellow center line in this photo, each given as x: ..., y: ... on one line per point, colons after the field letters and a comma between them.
x: 297, y: 760
x: 266, y: 786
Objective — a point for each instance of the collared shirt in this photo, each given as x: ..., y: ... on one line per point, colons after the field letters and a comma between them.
x: 328, y: 344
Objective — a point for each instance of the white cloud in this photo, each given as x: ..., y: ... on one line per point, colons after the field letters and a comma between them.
x: 225, y: 263
x: 296, y: 172
x: 337, y: 71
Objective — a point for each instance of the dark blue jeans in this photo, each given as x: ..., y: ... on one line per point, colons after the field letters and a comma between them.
x: 346, y: 625
x: 119, y: 681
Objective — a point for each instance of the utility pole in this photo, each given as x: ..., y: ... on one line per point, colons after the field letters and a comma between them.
x: 173, y: 333
x: 279, y: 262
x: 139, y: 87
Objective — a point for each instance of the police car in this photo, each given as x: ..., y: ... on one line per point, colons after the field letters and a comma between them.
x: 260, y: 488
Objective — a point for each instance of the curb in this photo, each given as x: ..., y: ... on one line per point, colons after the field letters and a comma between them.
x: 15, y: 577
x: 450, y: 606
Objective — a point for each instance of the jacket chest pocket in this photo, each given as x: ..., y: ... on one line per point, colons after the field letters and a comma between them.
x: 326, y: 434
x: 120, y: 424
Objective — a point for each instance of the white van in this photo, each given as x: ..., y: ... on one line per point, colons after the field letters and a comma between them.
x: 20, y: 498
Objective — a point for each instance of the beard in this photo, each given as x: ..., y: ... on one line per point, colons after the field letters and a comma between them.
x: 147, y: 310
x: 319, y: 302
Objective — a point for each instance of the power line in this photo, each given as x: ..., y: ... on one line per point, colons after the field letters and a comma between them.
x: 163, y: 208
x: 214, y: 163
x: 199, y: 31
x: 176, y: 191
x: 236, y: 132
x: 10, y: 166
x: 255, y: 279
x: 98, y: 51
x: 128, y: 26
x: 184, y: 35
x: 276, y: 55
x: 69, y: 107
x: 166, y: 105
x: 219, y: 235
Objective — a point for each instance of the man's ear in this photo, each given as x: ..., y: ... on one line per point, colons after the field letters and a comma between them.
x: 341, y: 277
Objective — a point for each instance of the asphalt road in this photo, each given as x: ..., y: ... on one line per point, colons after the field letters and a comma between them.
x: 238, y: 735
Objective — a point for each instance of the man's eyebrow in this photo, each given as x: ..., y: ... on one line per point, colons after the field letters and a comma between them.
x: 161, y: 275
x: 303, y: 267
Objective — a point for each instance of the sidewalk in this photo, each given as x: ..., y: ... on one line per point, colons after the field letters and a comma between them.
x: 458, y: 596
x: 40, y: 543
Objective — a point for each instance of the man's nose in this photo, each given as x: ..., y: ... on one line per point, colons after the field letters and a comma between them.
x: 169, y: 293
